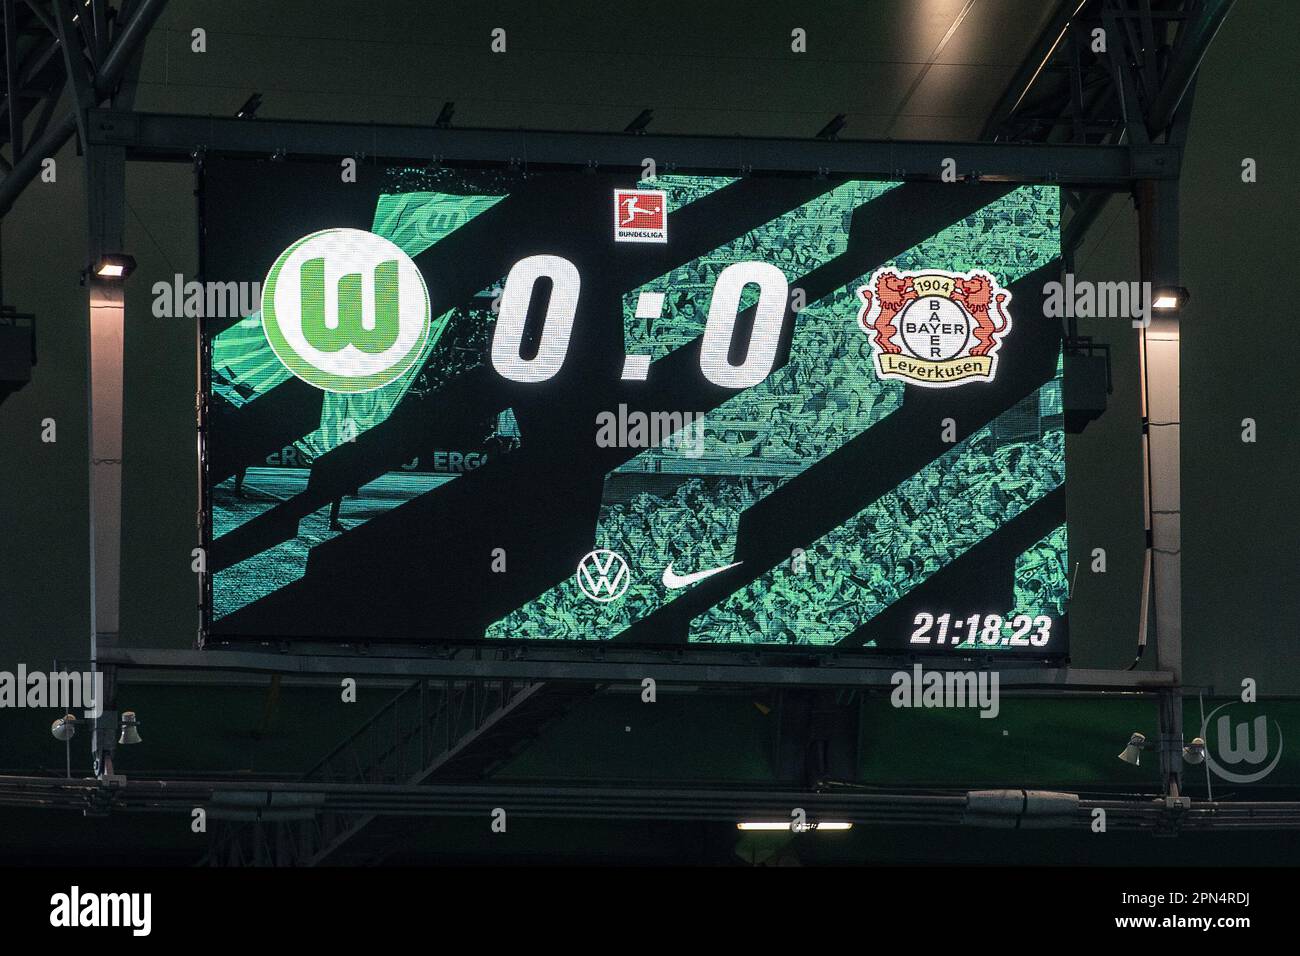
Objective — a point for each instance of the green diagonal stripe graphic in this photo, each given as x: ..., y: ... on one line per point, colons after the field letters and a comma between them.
x: 896, y: 542
x: 825, y: 396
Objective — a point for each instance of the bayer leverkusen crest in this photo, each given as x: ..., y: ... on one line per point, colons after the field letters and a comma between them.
x: 935, y: 328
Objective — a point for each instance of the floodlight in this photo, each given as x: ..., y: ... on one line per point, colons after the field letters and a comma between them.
x: 1169, y: 298
x: 114, y: 266
x: 65, y: 728
x: 130, y: 728
x: 1133, y: 752
x: 1194, y: 753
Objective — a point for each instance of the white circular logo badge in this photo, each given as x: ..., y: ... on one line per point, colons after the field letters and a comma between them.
x: 346, y: 310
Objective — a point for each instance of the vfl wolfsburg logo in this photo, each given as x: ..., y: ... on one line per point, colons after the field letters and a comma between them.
x: 346, y: 310
x: 1228, y: 744
x: 935, y: 328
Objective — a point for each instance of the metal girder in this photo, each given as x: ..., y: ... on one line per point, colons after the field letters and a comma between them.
x: 429, y: 731
x: 1188, y: 52
x: 1121, y: 56
x: 164, y: 136
x: 607, y: 667
x: 1083, y: 217
x: 1161, y: 439
x: 489, y: 737
x: 82, y: 77
x: 12, y: 85
x: 1147, y: 64
x: 95, y: 38
x: 1031, y: 67
x: 1068, y: 89
x: 447, y: 730
x: 106, y: 218
x: 274, y: 805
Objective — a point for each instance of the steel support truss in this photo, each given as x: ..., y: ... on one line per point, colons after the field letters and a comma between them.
x: 484, y: 707
x: 161, y: 136
x: 50, y: 45
x: 91, y: 49
x: 279, y: 817
x: 439, y: 731
x: 1113, y: 72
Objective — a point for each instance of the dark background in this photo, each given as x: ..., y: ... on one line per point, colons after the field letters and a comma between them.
x: 896, y: 70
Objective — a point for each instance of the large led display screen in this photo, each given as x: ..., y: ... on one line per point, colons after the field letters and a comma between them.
x: 472, y: 404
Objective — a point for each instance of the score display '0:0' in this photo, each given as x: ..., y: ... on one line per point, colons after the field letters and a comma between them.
x: 562, y: 306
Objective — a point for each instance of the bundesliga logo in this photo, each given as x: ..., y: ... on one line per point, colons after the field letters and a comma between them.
x: 640, y: 215
x: 935, y: 328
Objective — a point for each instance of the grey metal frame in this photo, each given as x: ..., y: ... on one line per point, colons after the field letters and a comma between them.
x: 162, y: 136
x: 183, y: 138
x: 737, y: 667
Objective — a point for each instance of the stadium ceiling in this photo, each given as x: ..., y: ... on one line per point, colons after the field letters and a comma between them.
x: 943, y: 71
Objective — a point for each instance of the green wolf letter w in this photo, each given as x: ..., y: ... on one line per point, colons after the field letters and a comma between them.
x: 348, y: 328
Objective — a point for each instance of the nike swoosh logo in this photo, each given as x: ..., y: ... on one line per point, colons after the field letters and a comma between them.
x: 674, y: 581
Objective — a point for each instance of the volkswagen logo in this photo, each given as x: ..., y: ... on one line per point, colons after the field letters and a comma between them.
x: 603, y: 575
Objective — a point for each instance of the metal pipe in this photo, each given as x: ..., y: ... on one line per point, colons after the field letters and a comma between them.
x: 119, y: 58
x: 1192, y: 51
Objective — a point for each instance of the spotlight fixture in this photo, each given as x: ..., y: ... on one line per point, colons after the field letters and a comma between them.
x: 639, y: 124
x: 832, y: 129
x: 444, y: 117
x: 1194, y: 753
x: 1169, y: 298
x: 130, y: 728
x: 780, y: 825
x: 249, y: 109
x: 65, y: 728
x: 1133, y: 752
x: 114, y: 266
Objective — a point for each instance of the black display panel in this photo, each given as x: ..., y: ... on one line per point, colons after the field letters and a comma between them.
x: 461, y: 405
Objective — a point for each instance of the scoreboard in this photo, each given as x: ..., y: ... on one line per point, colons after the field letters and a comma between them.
x: 473, y: 404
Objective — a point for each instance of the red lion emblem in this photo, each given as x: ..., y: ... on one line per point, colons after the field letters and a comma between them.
x: 894, y: 292
x: 974, y: 294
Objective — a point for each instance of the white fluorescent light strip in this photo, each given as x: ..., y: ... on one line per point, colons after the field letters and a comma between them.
x: 778, y: 825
